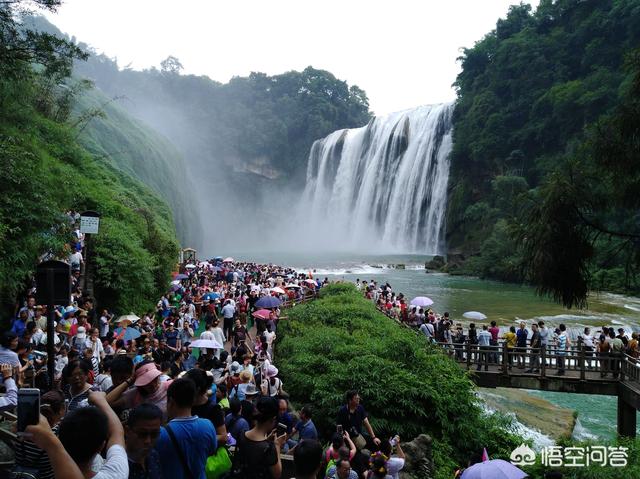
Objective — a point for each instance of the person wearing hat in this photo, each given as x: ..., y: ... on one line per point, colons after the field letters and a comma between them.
x: 79, y: 340
x: 80, y: 320
x: 147, y: 389
x: 271, y: 385
x: 239, y: 390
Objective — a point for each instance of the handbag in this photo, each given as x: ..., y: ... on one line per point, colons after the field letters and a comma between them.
x: 359, y: 441
x: 218, y: 464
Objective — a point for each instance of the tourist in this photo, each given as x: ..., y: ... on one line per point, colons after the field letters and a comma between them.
x: 308, y: 459
x: 186, y: 441
x: 544, y: 337
x: 343, y: 470
x: 141, y: 432
x: 353, y: 418
x: 147, y: 389
x: 428, y: 331
x: 228, y: 312
x: 258, y: 450
x: 272, y: 385
x: 395, y: 462
x: 472, y: 337
x: 510, y: 339
x: 239, y: 390
x: 204, y: 405
x: 378, y: 466
x: 603, y: 350
x: 10, y: 399
x: 522, y: 336
x: 77, y: 389
x: 484, y: 344
x: 632, y: 348
x: 8, y: 345
x: 284, y: 416
x: 234, y: 422
x: 495, y: 332
x: 563, y: 347
x: 84, y: 432
x: 617, y: 350
x: 304, y: 428
x: 586, y: 342
x: 535, y: 350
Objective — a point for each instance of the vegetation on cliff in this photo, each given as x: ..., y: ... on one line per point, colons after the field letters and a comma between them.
x: 44, y: 172
x: 545, y: 156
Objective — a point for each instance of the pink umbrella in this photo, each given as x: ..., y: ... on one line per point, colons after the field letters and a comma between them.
x: 262, y: 314
x: 278, y: 290
x: 228, y: 260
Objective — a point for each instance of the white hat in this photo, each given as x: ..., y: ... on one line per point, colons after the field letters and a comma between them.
x: 82, y: 333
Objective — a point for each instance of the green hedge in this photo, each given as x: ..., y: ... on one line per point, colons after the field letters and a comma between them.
x: 342, y: 342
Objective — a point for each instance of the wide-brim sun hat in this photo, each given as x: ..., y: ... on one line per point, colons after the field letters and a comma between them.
x: 146, y: 374
x: 272, y: 371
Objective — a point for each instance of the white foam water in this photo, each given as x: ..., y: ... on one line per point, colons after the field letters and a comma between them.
x: 382, y: 187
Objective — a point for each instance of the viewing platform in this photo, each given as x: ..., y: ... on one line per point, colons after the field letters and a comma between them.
x: 585, y: 372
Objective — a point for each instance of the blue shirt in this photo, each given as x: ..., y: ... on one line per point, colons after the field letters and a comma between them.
x: 236, y: 426
x: 197, y: 439
x: 18, y: 327
x: 307, y: 430
x: 171, y: 337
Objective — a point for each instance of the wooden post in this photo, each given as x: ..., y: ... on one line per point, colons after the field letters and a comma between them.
x: 581, y: 362
x: 543, y: 361
x: 505, y: 358
x: 468, y: 355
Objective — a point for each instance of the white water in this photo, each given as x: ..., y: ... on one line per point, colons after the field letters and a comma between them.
x: 383, y: 187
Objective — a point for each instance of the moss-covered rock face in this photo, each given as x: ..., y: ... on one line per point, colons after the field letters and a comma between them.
x: 341, y: 342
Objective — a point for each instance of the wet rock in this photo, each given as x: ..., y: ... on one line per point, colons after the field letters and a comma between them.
x: 419, y: 459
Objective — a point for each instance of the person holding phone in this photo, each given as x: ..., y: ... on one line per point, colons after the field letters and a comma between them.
x: 258, y: 449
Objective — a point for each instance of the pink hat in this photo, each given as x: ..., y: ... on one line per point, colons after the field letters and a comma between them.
x: 146, y: 374
x: 272, y: 371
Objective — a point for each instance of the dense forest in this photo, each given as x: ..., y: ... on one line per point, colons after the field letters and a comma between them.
x: 545, y: 179
x: 46, y: 172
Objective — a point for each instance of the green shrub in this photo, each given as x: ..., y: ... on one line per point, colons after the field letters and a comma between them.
x: 341, y: 342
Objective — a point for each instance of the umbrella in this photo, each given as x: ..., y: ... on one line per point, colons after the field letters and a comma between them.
x: 228, y: 260
x: 129, y: 333
x: 292, y: 286
x: 310, y: 281
x: 268, y: 302
x: 181, y: 276
x: 206, y: 343
x: 421, y: 301
x: 474, y: 315
x: 176, y: 281
x: 278, y: 290
x: 217, y: 258
x: 494, y: 469
x: 262, y: 314
x: 210, y: 295
x: 175, y: 287
x: 190, y: 266
x: 132, y: 318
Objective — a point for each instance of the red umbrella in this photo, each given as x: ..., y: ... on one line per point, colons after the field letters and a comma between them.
x: 262, y: 314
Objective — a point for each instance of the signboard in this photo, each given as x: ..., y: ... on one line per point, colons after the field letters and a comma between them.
x: 89, y: 222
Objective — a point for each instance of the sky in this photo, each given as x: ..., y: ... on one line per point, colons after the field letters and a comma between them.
x: 402, y: 53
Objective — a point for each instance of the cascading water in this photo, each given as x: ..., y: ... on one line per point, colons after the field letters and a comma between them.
x: 382, y: 188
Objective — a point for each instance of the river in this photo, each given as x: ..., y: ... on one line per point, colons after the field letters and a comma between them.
x: 503, y: 302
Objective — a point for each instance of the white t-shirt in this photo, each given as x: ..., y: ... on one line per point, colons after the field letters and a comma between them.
x: 104, y: 326
x: 115, y: 467
x: 75, y: 258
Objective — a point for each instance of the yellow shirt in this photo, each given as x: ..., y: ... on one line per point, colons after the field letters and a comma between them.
x: 510, y: 338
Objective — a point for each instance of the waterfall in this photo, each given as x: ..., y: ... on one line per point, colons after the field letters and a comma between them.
x: 383, y: 187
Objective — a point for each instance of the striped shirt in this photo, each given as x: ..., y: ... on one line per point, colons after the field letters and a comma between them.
x: 28, y: 455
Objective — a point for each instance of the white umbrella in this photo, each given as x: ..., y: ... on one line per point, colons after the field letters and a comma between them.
x: 206, y: 343
x: 190, y: 266
x: 292, y: 286
x: 278, y: 290
x: 474, y: 315
x: 132, y: 318
x: 421, y: 301
x: 176, y: 281
x: 228, y: 260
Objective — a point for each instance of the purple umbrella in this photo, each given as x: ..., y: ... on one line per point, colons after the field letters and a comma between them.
x: 175, y: 287
x: 268, y: 302
x: 421, y: 301
x: 181, y: 276
x: 494, y: 469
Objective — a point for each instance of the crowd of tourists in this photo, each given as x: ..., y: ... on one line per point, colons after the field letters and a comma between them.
x: 486, y: 344
x: 190, y: 389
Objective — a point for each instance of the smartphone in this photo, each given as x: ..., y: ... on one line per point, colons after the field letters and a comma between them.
x: 282, y: 429
x: 28, y: 408
x: 339, y: 429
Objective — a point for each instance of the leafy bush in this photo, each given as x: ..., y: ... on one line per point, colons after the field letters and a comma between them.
x: 341, y: 342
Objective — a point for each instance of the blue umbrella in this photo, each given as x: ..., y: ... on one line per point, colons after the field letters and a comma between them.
x: 181, y: 276
x: 129, y: 333
x: 218, y: 258
x: 209, y: 296
x: 268, y: 302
